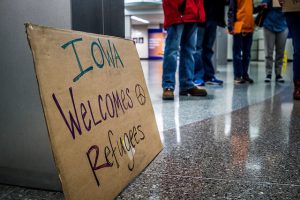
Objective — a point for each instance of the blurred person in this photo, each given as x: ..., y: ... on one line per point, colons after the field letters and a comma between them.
x: 275, y: 35
x: 180, y: 21
x: 293, y: 22
x: 241, y: 26
x: 206, y: 36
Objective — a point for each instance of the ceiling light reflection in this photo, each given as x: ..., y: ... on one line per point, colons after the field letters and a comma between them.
x: 253, y: 132
x: 140, y: 19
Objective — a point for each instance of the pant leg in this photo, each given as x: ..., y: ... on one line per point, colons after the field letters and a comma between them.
x: 173, y: 39
x: 237, y: 55
x: 247, y: 43
x: 208, y: 43
x: 294, y: 27
x: 269, y: 38
x: 187, y: 51
x: 279, y: 49
x: 199, y: 69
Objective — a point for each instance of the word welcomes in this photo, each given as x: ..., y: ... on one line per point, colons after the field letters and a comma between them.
x: 83, y: 116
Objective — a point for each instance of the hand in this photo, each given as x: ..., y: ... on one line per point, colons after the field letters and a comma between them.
x: 231, y: 32
x: 264, y: 5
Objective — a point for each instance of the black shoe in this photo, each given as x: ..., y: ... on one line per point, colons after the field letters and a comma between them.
x: 248, y: 79
x: 279, y: 79
x: 239, y: 81
x: 268, y: 78
x: 194, y: 91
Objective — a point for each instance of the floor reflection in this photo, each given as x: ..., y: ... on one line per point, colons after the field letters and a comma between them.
x: 239, y: 142
x: 220, y: 99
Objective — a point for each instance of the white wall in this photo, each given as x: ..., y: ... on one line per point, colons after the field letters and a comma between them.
x: 141, y: 31
x: 127, y: 27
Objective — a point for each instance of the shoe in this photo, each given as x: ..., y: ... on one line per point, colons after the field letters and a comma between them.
x: 239, y: 81
x: 248, y: 79
x: 214, y: 81
x: 194, y: 91
x: 168, y: 94
x: 297, y: 90
x: 279, y: 79
x: 268, y: 78
x: 199, y: 82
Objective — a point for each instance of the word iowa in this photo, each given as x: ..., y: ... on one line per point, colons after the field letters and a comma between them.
x: 101, y: 55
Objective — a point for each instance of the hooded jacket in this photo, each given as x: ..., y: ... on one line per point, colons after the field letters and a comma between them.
x: 183, y: 11
x: 275, y: 19
x: 242, y: 11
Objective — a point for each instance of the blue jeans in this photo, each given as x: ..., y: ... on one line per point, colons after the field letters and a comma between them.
x: 181, y: 38
x: 293, y: 22
x: 206, y: 37
x: 241, y: 54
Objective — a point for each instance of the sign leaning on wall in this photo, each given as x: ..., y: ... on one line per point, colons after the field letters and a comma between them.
x: 97, y: 107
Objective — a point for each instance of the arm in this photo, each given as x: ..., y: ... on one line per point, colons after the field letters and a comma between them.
x: 264, y: 5
x: 231, y: 16
x: 175, y: 5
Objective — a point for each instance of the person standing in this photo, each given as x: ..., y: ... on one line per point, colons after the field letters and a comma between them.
x: 275, y: 35
x: 293, y: 22
x: 241, y: 26
x: 206, y: 36
x: 180, y: 20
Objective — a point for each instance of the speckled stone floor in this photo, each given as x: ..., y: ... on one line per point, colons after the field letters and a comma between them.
x: 239, y: 142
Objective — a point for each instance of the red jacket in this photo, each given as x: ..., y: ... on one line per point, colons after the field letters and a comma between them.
x: 180, y: 11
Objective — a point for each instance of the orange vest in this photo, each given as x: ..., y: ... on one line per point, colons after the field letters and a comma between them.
x: 245, y: 15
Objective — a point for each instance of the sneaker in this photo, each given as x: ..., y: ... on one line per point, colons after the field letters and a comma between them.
x: 168, y: 94
x: 214, y: 81
x: 199, y: 82
x: 297, y: 90
x: 279, y: 79
x: 268, y: 78
x: 239, y: 81
x: 194, y: 91
x: 248, y: 79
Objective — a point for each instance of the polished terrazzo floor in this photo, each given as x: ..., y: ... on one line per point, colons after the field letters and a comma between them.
x: 239, y: 142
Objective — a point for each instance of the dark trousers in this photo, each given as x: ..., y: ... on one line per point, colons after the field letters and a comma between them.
x: 206, y: 37
x: 293, y: 22
x: 241, y: 54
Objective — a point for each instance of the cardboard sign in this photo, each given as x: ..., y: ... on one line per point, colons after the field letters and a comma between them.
x: 97, y: 107
x: 291, y: 6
